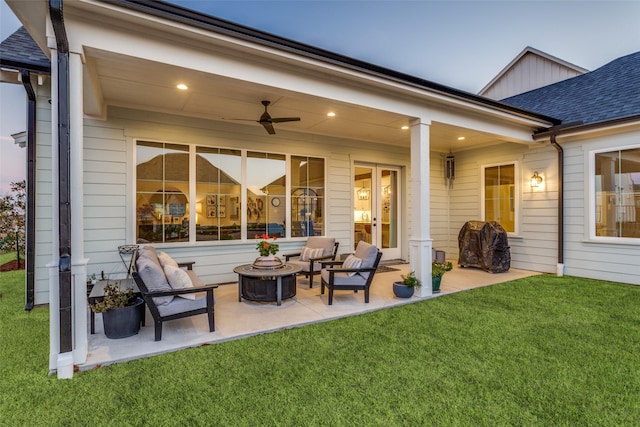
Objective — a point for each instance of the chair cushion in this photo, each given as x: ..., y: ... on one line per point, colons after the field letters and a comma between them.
x: 343, y: 278
x: 367, y: 253
x: 306, y: 265
x: 180, y: 305
x: 326, y: 243
x: 165, y: 259
x: 308, y: 253
x: 179, y: 279
x: 352, y: 261
x: 152, y: 275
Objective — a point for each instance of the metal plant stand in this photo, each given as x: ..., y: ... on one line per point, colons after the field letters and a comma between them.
x: 128, y: 255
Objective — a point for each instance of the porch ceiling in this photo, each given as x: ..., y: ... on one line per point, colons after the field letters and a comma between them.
x: 124, y: 81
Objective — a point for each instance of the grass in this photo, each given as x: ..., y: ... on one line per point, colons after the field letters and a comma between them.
x: 537, y: 351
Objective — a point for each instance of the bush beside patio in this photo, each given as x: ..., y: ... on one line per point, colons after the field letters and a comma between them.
x: 537, y: 351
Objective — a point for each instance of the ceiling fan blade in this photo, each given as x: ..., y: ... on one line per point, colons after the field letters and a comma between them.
x: 269, y: 128
x: 241, y: 120
x: 285, y: 119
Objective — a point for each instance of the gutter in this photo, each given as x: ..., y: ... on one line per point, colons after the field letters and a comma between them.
x: 64, y: 176
x: 560, y: 265
x: 30, y: 243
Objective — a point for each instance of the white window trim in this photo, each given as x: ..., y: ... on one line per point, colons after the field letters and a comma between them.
x: 516, y: 197
x: 590, y: 189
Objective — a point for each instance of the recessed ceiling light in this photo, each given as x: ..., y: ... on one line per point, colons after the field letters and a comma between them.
x: 405, y: 127
x: 331, y: 114
x: 182, y: 86
x: 461, y: 138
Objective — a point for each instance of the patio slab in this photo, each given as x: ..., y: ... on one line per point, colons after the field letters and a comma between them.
x: 236, y: 320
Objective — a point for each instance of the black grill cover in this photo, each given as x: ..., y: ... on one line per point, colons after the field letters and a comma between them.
x: 484, y: 245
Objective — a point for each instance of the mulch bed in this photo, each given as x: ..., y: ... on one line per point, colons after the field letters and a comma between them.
x: 12, y: 265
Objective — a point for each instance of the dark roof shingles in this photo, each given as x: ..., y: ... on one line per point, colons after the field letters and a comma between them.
x: 19, y: 49
x: 610, y: 92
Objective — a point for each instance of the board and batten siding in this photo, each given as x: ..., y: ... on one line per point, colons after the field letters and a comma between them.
x: 532, y: 71
x: 109, y: 184
x: 535, y: 245
x: 587, y: 257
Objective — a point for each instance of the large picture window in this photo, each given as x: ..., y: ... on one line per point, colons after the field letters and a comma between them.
x: 617, y: 193
x: 500, y: 195
x: 193, y: 194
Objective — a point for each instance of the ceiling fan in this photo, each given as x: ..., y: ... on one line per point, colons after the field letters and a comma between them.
x: 267, y: 121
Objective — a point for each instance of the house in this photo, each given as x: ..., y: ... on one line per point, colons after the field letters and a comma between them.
x: 162, y: 125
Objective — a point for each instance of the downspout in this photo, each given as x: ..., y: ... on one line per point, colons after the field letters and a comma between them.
x: 560, y: 266
x: 64, y: 173
x: 30, y: 243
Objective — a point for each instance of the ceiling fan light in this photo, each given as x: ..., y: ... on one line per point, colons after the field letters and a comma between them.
x: 182, y: 86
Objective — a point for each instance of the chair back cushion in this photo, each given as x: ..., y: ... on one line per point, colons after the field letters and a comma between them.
x: 179, y: 279
x: 152, y: 275
x: 367, y: 253
x: 326, y: 243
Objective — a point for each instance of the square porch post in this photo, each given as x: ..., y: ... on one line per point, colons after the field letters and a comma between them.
x: 420, y: 242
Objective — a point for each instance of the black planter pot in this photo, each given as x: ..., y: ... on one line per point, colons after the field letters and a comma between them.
x: 123, y: 322
x: 402, y: 291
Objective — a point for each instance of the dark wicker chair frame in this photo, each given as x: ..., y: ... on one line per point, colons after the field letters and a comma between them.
x: 364, y: 286
x: 158, y: 318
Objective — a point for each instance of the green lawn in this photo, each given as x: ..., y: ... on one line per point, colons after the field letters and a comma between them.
x: 537, y: 351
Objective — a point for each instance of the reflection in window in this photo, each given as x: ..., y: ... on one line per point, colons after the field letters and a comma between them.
x: 218, y: 186
x: 307, y: 196
x: 617, y: 193
x: 266, y: 183
x: 499, y: 195
x: 161, y: 192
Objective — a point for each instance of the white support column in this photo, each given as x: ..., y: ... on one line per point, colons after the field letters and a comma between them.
x: 78, y: 261
x: 420, y: 242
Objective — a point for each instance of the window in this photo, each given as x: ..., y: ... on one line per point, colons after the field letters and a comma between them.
x: 229, y: 202
x: 617, y: 193
x: 500, y: 195
x: 307, y: 196
x: 162, y: 190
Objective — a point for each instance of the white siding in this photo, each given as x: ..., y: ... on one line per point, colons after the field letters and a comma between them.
x: 535, y: 246
x: 44, y: 208
x: 585, y: 258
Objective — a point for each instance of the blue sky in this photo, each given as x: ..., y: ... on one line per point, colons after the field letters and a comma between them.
x: 462, y: 44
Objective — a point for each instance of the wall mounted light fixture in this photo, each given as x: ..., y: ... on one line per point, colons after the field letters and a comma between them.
x: 536, y: 179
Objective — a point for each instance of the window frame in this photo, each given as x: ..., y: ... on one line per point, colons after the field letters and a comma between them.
x: 516, y: 196
x: 192, y: 150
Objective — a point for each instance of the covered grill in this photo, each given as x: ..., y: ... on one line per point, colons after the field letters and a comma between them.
x: 484, y: 245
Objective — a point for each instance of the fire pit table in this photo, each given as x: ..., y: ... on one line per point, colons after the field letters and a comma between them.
x: 267, y: 284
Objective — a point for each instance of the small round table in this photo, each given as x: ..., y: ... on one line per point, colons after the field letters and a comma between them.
x: 259, y: 284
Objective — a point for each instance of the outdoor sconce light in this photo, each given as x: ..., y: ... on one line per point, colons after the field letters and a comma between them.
x: 363, y: 194
x: 536, y: 179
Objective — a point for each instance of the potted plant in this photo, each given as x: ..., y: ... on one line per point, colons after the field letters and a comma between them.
x: 405, y: 288
x: 121, y: 311
x: 437, y: 271
x: 268, y: 251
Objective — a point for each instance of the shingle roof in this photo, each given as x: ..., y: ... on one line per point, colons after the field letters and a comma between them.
x: 20, y: 51
x: 610, y: 92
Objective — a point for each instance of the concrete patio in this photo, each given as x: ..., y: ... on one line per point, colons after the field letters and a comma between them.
x: 236, y: 320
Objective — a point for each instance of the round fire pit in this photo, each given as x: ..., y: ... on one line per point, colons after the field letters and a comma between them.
x: 266, y: 284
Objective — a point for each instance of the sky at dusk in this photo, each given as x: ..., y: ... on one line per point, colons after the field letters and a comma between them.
x: 462, y: 44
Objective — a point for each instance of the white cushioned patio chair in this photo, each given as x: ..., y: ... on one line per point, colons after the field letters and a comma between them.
x: 316, y: 249
x: 354, y: 273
